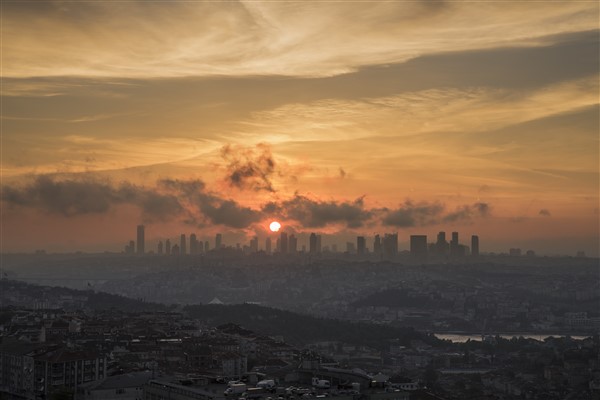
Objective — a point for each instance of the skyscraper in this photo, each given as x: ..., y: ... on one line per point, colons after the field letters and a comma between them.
x: 377, y: 245
x: 254, y: 244
x: 283, y: 243
x: 168, y: 247
x: 182, y: 245
x: 293, y: 244
x: 160, y: 247
x: 312, y: 243
x: 218, y: 241
x: 193, y: 244
x: 206, y: 246
x: 268, y: 245
x: 140, y: 239
x: 441, y: 245
x: 454, y: 245
x: 361, y: 245
x: 474, y: 245
x: 418, y: 247
x: 390, y: 245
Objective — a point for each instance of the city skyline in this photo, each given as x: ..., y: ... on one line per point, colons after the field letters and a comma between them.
x: 345, y: 119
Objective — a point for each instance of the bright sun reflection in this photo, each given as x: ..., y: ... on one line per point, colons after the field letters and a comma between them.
x: 274, y: 226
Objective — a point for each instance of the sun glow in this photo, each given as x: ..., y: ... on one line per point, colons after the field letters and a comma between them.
x: 274, y: 226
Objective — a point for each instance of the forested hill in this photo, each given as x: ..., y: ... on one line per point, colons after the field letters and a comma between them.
x: 301, y: 329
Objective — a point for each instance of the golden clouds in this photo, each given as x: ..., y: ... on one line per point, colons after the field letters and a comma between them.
x: 139, y: 39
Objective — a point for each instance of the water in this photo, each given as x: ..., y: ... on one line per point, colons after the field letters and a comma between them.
x: 463, y: 337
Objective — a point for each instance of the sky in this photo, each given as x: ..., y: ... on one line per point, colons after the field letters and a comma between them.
x: 340, y: 117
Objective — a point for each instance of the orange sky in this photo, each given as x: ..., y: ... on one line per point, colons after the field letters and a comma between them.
x: 342, y: 118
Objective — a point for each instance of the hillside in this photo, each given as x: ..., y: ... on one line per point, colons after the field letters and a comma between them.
x: 302, y: 329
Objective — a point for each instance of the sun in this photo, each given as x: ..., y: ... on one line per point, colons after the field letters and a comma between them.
x: 274, y: 226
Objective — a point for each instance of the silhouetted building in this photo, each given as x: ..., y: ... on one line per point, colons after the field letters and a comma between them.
x: 268, y: 245
x: 350, y: 248
x: 530, y: 253
x: 168, y: 247
x: 160, y: 247
x: 318, y: 243
x: 361, y: 245
x: 454, y: 245
x: 283, y: 243
x: 206, y: 246
x: 418, y: 247
x: 140, y: 239
x: 175, y: 250
x: 441, y: 245
x: 218, y: 241
x: 377, y: 245
x: 254, y: 244
x: 515, y: 252
x: 293, y: 244
x: 200, y: 247
x: 390, y: 245
x: 182, y: 245
x: 193, y: 244
x: 475, y: 245
x: 312, y: 243
x: 131, y: 247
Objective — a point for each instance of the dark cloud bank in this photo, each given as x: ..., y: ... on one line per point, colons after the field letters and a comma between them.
x: 191, y: 202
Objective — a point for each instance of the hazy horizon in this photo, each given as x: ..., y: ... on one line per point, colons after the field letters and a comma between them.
x: 338, y: 118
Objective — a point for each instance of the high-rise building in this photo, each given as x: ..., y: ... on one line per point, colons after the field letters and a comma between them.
x: 390, y: 245
x: 474, y: 245
x: 418, y: 247
x: 254, y: 244
x: 361, y: 245
x: 160, y: 247
x: 200, y: 247
x: 350, y: 248
x: 168, y: 247
x: 377, y: 245
x: 218, y: 241
x: 312, y: 243
x: 140, y: 239
x: 182, y: 245
x: 206, y: 246
x: 193, y: 244
x: 293, y: 244
x: 175, y: 250
x: 283, y: 243
x: 441, y: 245
x: 454, y: 245
x: 268, y: 245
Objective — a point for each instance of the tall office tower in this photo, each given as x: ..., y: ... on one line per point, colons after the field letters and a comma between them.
x: 312, y: 243
x: 182, y: 245
x: 474, y: 245
x: 377, y: 245
x: 418, y: 247
x: 218, y: 241
x: 278, y: 245
x: 441, y: 245
x: 168, y: 247
x: 254, y: 244
x: 293, y: 244
x: 160, y: 247
x: 283, y: 243
x: 130, y: 249
x: 268, y: 245
x: 206, y: 246
x: 454, y: 245
x: 140, y: 239
x: 193, y: 244
x: 175, y: 250
x: 390, y: 245
x: 361, y: 245
x: 318, y: 243
x: 200, y: 247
